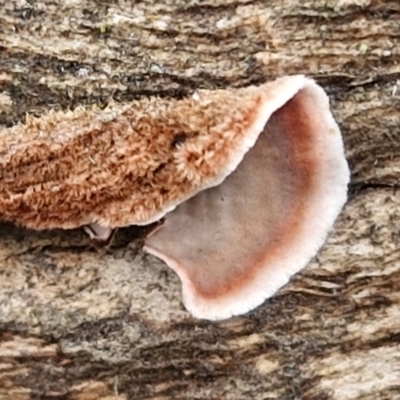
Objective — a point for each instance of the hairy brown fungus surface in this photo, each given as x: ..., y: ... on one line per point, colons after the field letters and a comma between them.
x: 250, y: 181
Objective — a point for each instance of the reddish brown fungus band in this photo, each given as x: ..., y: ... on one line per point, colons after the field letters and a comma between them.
x: 236, y: 244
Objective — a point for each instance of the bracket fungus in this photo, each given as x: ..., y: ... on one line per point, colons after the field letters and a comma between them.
x: 250, y: 182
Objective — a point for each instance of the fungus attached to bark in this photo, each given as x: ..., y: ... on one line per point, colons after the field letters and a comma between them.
x: 249, y: 180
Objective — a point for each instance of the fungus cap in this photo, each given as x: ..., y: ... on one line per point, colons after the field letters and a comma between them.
x: 250, y: 182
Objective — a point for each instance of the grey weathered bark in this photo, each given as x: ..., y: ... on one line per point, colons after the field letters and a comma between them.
x: 76, y: 323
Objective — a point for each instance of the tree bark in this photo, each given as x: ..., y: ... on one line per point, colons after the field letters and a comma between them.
x: 80, y: 323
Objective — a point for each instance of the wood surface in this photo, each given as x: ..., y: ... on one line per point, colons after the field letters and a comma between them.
x: 82, y: 323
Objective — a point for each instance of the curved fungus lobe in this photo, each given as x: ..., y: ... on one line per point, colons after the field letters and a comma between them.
x: 236, y: 244
x: 250, y: 182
